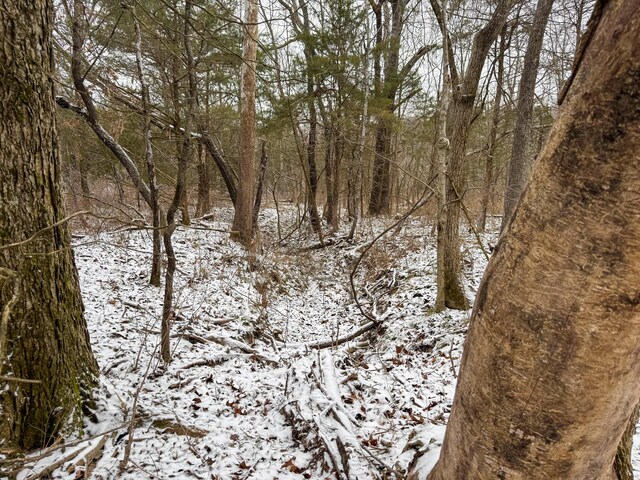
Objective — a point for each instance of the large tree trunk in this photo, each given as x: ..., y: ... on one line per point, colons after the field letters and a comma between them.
x: 549, y: 375
x: 519, y: 165
x: 622, y: 463
x: 243, y: 218
x: 43, y: 335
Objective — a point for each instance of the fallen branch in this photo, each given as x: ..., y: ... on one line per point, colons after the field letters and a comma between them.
x: 328, y: 343
x: 227, y: 342
x: 376, y: 321
x: 322, y: 424
x: 91, y: 453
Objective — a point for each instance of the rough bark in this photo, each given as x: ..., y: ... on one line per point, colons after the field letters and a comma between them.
x: 329, y: 159
x: 459, y: 118
x: 261, y: 179
x: 548, y: 380
x: 43, y: 335
x: 381, y: 180
x: 204, y: 182
x: 520, y: 163
x: 312, y: 187
x: 243, y: 218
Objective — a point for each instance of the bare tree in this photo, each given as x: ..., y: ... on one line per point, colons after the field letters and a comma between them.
x: 156, y: 212
x: 243, y: 219
x: 492, y: 140
x: 441, y: 156
x: 459, y: 118
x: 388, y: 88
x: 519, y: 165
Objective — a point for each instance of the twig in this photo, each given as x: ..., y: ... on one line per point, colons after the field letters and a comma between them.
x: 18, y: 380
x: 43, y: 230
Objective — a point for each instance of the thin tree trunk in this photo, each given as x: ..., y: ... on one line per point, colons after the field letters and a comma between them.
x: 519, y: 165
x: 489, y: 179
x: 204, y: 182
x: 181, y: 182
x: 261, y: 179
x: 229, y: 177
x: 329, y: 170
x: 338, y: 145
x: 243, y: 218
x: 355, y: 178
x: 459, y: 118
x: 156, y: 261
x: 549, y: 380
x: 441, y: 163
x: 43, y: 334
x: 312, y: 188
x: 84, y: 176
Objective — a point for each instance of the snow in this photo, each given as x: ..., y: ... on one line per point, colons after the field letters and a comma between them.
x: 218, y: 412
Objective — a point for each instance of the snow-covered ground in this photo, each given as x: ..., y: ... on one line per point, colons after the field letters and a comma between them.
x: 223, y: 410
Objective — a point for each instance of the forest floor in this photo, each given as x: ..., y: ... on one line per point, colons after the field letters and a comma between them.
x: 246, y: 395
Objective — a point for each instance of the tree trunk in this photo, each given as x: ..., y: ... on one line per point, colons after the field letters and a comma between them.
x: 379, y: 201
x: 43, y: 334
x: 243, y: 218
x: 156, y: 257
x: 519, y: 165
x: 312, y: 187
x: 459, y: 118
x: 441, y: 163
x: 549, y: 380
x: 338, y: 146
x: 84, y: 176
x: 184, y: 207
x: 229, y: 177
x: 261, y: 179
x: 204, y: 183
x: 489, y: 179
x: 380, y: 183
x: 329, y: 170
x: 178, y: 194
